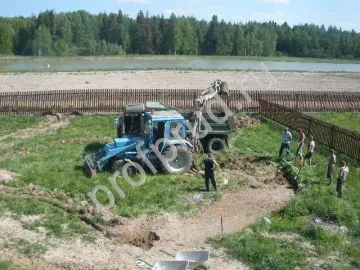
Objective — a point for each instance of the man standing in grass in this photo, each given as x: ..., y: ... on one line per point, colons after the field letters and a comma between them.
x: 331, y: 166
x: 344, y: 170
x: 300, y: 144
x: 210, y: 165
x: 310, y: 150
x: 285, y: 143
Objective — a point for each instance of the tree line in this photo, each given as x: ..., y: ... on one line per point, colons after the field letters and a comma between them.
x: 81, y: 33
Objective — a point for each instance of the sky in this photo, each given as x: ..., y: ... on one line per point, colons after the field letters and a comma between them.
x: 344, y: 14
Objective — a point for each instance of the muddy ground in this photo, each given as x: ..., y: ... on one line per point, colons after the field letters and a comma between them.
x: 158, y: 79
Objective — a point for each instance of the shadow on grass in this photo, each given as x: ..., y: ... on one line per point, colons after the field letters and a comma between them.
x: 93, y: 147
x: 195, y: 189
x: 79, y: 168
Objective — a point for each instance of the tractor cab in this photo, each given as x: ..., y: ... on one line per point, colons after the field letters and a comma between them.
x: 152, y: 120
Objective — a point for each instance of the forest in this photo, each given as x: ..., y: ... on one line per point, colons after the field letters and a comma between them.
x: 84, y: 34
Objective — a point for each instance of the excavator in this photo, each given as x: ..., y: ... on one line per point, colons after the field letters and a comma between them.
x: 218, y: 88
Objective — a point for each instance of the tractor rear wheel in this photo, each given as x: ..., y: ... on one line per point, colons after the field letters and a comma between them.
x: 181, y: 164
x: 216, y: 146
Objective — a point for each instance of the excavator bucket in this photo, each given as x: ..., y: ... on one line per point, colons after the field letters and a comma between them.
x: 89, y: 166
x: 224, y: 89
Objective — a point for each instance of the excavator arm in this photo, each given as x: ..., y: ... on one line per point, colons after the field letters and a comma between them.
x: 217, y: 88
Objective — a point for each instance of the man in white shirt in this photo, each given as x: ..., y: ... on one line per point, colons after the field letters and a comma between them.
x: 310, y: 152
x: 285, y: 143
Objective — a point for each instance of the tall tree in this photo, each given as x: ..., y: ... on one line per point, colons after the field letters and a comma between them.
x: 42, y: 43
x: 224, y: 44
x: 238, y: 47
x: 6, y: 38
x: 212, y: 37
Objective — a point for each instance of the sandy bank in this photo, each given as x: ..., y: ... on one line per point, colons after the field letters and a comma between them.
x: 300, y: 81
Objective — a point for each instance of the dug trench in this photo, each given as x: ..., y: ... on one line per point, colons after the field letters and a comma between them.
x: 122, y: 241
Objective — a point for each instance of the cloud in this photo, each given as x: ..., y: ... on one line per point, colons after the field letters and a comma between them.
x: 282, y: 2
x: 133, y: 2
x: 278, y: 17
x: 180, y: 11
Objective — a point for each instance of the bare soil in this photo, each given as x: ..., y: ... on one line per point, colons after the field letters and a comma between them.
x: 165, y: 79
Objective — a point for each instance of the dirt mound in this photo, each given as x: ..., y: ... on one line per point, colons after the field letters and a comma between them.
x: 278, y: 179
x: 244, y: 120
x: 254, y: 167
x: 245, y: 163
x: 134, y: 232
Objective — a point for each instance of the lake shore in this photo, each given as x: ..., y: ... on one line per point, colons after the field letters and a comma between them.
x: 14, y: 58
x: 165, y: 79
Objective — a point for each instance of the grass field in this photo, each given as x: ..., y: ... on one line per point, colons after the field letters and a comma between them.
x: 316, y: 230
x: 349, y: 121
x: 8, y: 265
x: 306, y: 233
x: 11, y: 124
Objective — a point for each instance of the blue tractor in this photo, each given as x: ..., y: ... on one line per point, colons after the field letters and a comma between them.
x: 152, y: 139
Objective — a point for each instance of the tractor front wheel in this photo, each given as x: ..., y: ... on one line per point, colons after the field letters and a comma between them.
x: 182, y: 161
x: 119, y: 166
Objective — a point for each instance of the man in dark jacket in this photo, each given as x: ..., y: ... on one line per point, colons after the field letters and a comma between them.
x: 210, y: 165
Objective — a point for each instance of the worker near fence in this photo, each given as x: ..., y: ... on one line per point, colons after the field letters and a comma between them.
x: 285, y: 142
x: 300, y: 144
x: 209, y: 166
x: 331, y: 166
x: 310, y: 151
x: 344, y: 170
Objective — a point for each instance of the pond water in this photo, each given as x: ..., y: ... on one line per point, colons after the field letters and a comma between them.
x: 83, y: 64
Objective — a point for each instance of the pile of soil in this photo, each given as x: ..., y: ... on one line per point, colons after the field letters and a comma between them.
x: 245, y: 163
x: 244, y: 121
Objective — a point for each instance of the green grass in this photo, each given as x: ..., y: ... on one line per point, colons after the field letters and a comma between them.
x: 9, y: 265
x: 56, y: 221
x: 263, y: 248
x: 11, y: 124
x: 29, y: 249
x: 349, y: 121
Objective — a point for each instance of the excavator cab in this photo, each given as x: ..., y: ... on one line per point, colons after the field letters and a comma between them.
x: 220, y: 87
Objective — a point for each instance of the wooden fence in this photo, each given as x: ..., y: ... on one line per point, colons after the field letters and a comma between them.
x: 112, y: 100
x: 340, y: 139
